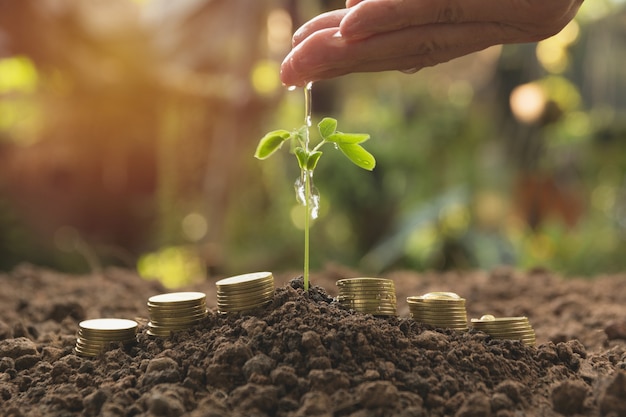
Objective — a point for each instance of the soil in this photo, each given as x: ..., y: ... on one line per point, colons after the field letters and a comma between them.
x: 305, y: 356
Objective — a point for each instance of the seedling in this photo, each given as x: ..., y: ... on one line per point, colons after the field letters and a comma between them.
x: 306, y: 193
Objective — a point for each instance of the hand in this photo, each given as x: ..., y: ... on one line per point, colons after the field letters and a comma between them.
x: 408, y: 35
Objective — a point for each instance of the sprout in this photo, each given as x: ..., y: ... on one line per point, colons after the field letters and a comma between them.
x: 348, y: 143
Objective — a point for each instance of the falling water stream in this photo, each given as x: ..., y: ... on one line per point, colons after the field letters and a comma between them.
x: 306, y: 193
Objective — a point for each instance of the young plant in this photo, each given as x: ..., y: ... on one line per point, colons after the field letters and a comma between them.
x: 348, y: 143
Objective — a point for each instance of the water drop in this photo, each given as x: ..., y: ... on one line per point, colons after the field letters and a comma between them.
x: 291, y: 88
x: 314, y: 202
x: 300, y: 191
x: 410, y: 70
x: 314, y: 194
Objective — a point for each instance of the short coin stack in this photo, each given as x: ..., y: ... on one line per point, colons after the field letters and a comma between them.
x: 510, y: 328
x: 376, y: 296
x: 95, y: 335
x: 439, y: 309
x: 175, y: 311
x: 245, y: 292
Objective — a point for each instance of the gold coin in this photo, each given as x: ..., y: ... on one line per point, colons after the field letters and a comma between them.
x: 365, y: 280
x: 176, y: 321
x: 176, y: 309
x: 87, y: 353
x: 240, y: 309
x: 246, y: 280
x: 376, y: 311
x: 491, y: 319
x: 268, y: 293
x: 176, y: 299
x: 182, y: 317
x: 366, y: 291
x: 160, y: 332
x: 428, y: 315
x: 437, y: 307
x: 178, y: 326
x: 244, y: 303
x: 102, y: 339
x: 440, y: 321
x: 258, y: 286
x: 366, y: 300
x: 445, y: 325
x: 503, y: 329
x: 248, y: 297
x: 441, y: 295
x: 364, y: 303
x: 512, y: 335
x: 89, y: 342
x: 386, y: 286
x: 367, y: 294
x: 108, y: 325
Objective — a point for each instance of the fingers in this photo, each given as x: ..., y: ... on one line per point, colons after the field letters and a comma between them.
x: 324, y: 56
x: 377, y: 35
x: 324, y: 21
x: 376, y: 16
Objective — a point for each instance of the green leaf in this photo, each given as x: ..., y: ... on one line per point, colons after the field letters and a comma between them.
x: 270, y: 143
x: 348, y: 138
x: 327, y: 127
x: 313, y: 158
x: 358, y: 155
x: 302, y: 156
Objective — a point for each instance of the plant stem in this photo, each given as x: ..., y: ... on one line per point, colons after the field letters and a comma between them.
x: 307, y: 205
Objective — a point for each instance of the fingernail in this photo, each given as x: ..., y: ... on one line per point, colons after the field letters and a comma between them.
x: 355, y: 36
x: 287, y: 72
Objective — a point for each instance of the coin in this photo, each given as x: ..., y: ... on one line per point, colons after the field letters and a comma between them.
x: 250, y: 280
x: 175, y: 311
x: 261, y: 293
x: 439, y: 309
x: 376, y: 296
x: 177, y: 299
x: 441, y: 295
x: 507, y: 328
x: 94, y: 335
x: 245, y: 292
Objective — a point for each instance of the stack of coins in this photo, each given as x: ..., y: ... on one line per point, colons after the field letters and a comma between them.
x: 375, y: 296
x: 439, y: 309
x: 175, y: 311
x: 95, y: 335
x: 245, y: 292
x: 511, y: 328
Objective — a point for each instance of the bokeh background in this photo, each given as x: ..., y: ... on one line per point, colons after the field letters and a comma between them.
x: 128, y: 128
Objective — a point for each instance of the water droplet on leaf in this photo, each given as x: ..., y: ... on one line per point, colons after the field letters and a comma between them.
x: 314, y: 194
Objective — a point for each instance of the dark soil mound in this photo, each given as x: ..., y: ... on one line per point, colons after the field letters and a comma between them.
x: 304, y: 356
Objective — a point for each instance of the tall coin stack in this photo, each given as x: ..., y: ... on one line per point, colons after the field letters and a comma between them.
x: 510, y: 328
x: 376, y: 296
x: 175, y: 311
x: 95, y: 335
x: 439, y: 309
x: 245, y: 292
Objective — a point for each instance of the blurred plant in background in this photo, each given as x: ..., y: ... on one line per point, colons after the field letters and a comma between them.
x: 127, y: 131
